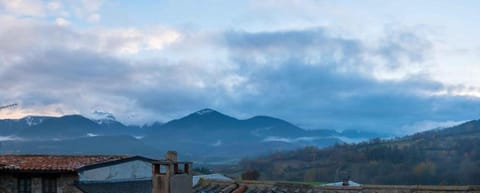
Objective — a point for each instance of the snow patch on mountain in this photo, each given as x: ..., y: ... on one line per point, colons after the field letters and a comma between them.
x: 290, y: 140
x: 32, y: 121
x: 217, y: 143
x: 92, y: 135
x: 204, y: 112
x: 102, y: 117
x: 10, y: 138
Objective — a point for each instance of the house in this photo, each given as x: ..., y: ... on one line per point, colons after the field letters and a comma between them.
x: 74, y: 174
x: 216, y: 177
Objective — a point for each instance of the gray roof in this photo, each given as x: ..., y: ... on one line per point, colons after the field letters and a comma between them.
x: 350, y: 183
x: 217, y: 177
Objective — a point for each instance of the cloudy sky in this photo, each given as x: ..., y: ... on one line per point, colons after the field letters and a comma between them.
x: 390, y: 66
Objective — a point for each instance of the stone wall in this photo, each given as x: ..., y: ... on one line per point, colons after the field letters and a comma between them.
x: 65, y: 184
x: 398, y: 189
x: 8, y: 184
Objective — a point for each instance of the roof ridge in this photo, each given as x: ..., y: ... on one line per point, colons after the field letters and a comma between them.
x: 73, y: 155
x: 46, y: 162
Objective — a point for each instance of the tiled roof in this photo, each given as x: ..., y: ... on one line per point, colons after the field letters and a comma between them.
x: 211, y: 186
x: 66, y: 163
x: 216, y: 177
x: 139, y: 186
x: 208, y: 186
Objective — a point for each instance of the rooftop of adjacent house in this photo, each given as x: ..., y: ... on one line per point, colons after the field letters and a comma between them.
x: 215, y: 186
x: 216, y: 177
x: 57, y: 163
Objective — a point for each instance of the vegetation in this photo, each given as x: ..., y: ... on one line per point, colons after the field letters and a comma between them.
x: 450, y: 156
x: 250, y: 175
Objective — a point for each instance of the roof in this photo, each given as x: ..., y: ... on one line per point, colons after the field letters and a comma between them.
x: 218, y: 177
x: 214, y: 186
x: 350, y: 183
x: 132, y: 186
x: 55, y: 163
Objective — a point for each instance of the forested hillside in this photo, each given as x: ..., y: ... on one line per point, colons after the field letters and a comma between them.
x: 449, y: 156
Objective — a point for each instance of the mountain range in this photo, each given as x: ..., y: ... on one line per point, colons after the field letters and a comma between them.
x: 203, y: 136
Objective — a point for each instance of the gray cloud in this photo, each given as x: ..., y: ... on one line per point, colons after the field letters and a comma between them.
x: 310, y: 77
x: 321, y: 94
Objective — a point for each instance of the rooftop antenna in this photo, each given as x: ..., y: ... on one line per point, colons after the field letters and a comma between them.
x: 8, y: 106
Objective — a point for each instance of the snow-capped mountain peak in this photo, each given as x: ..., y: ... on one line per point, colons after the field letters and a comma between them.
x: 204, y: 111
x: 103, y: 117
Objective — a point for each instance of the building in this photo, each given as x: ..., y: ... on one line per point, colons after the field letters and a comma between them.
x: 75, y: 174
x: 135, y: 174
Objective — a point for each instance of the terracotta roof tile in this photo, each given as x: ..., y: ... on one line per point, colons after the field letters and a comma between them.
x: 53, y: 162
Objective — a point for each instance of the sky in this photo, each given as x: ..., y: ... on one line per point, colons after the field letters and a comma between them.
x: 374, y: 65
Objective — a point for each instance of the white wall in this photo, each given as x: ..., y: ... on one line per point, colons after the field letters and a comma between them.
x: 135, y: 169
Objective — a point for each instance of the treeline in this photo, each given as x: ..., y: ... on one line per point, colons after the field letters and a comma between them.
x: 431, y: 158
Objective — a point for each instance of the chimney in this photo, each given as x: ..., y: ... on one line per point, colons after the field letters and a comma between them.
x: 345, y: 180
x: 171, y: 156
x: 171, y: 176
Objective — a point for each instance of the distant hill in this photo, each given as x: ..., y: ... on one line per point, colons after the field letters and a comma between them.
x: 443, y: 156
x: 203, y: 136
x: 121, y: 144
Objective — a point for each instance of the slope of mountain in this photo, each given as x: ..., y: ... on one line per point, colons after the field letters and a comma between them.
x: 203, y: 119
x: 205, y: 135
x: 13, y: 126
x: 65, y: 127
x: 84, y: 145
x: 211, y: 135
x: 70, y: 126
x: 445, y: 156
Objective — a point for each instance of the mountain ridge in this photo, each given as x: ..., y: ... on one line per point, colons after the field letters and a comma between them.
x: 205, y: 134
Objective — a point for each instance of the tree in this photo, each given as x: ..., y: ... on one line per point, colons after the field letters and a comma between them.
x: 250, y: 175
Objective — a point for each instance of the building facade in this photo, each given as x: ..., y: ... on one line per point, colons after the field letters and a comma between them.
x: 73, y: 174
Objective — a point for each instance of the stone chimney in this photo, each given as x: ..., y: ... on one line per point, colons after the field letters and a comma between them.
x: 171, y: 176
x: 345, y: 180
x: 171, y: 156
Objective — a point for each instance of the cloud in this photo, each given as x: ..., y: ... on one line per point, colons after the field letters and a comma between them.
x: 24, y: 7
x: 339, y: 90
x: 62, y: 22
x: 54, y: 5
x: 94, y: 17
x: 428, y: 125
x: 291, y: 140
x: 88, y: 9
x: 312, y: 77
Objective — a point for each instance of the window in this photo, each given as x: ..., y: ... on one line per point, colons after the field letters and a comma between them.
x: 49, y: 185
x: 24, y: 185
